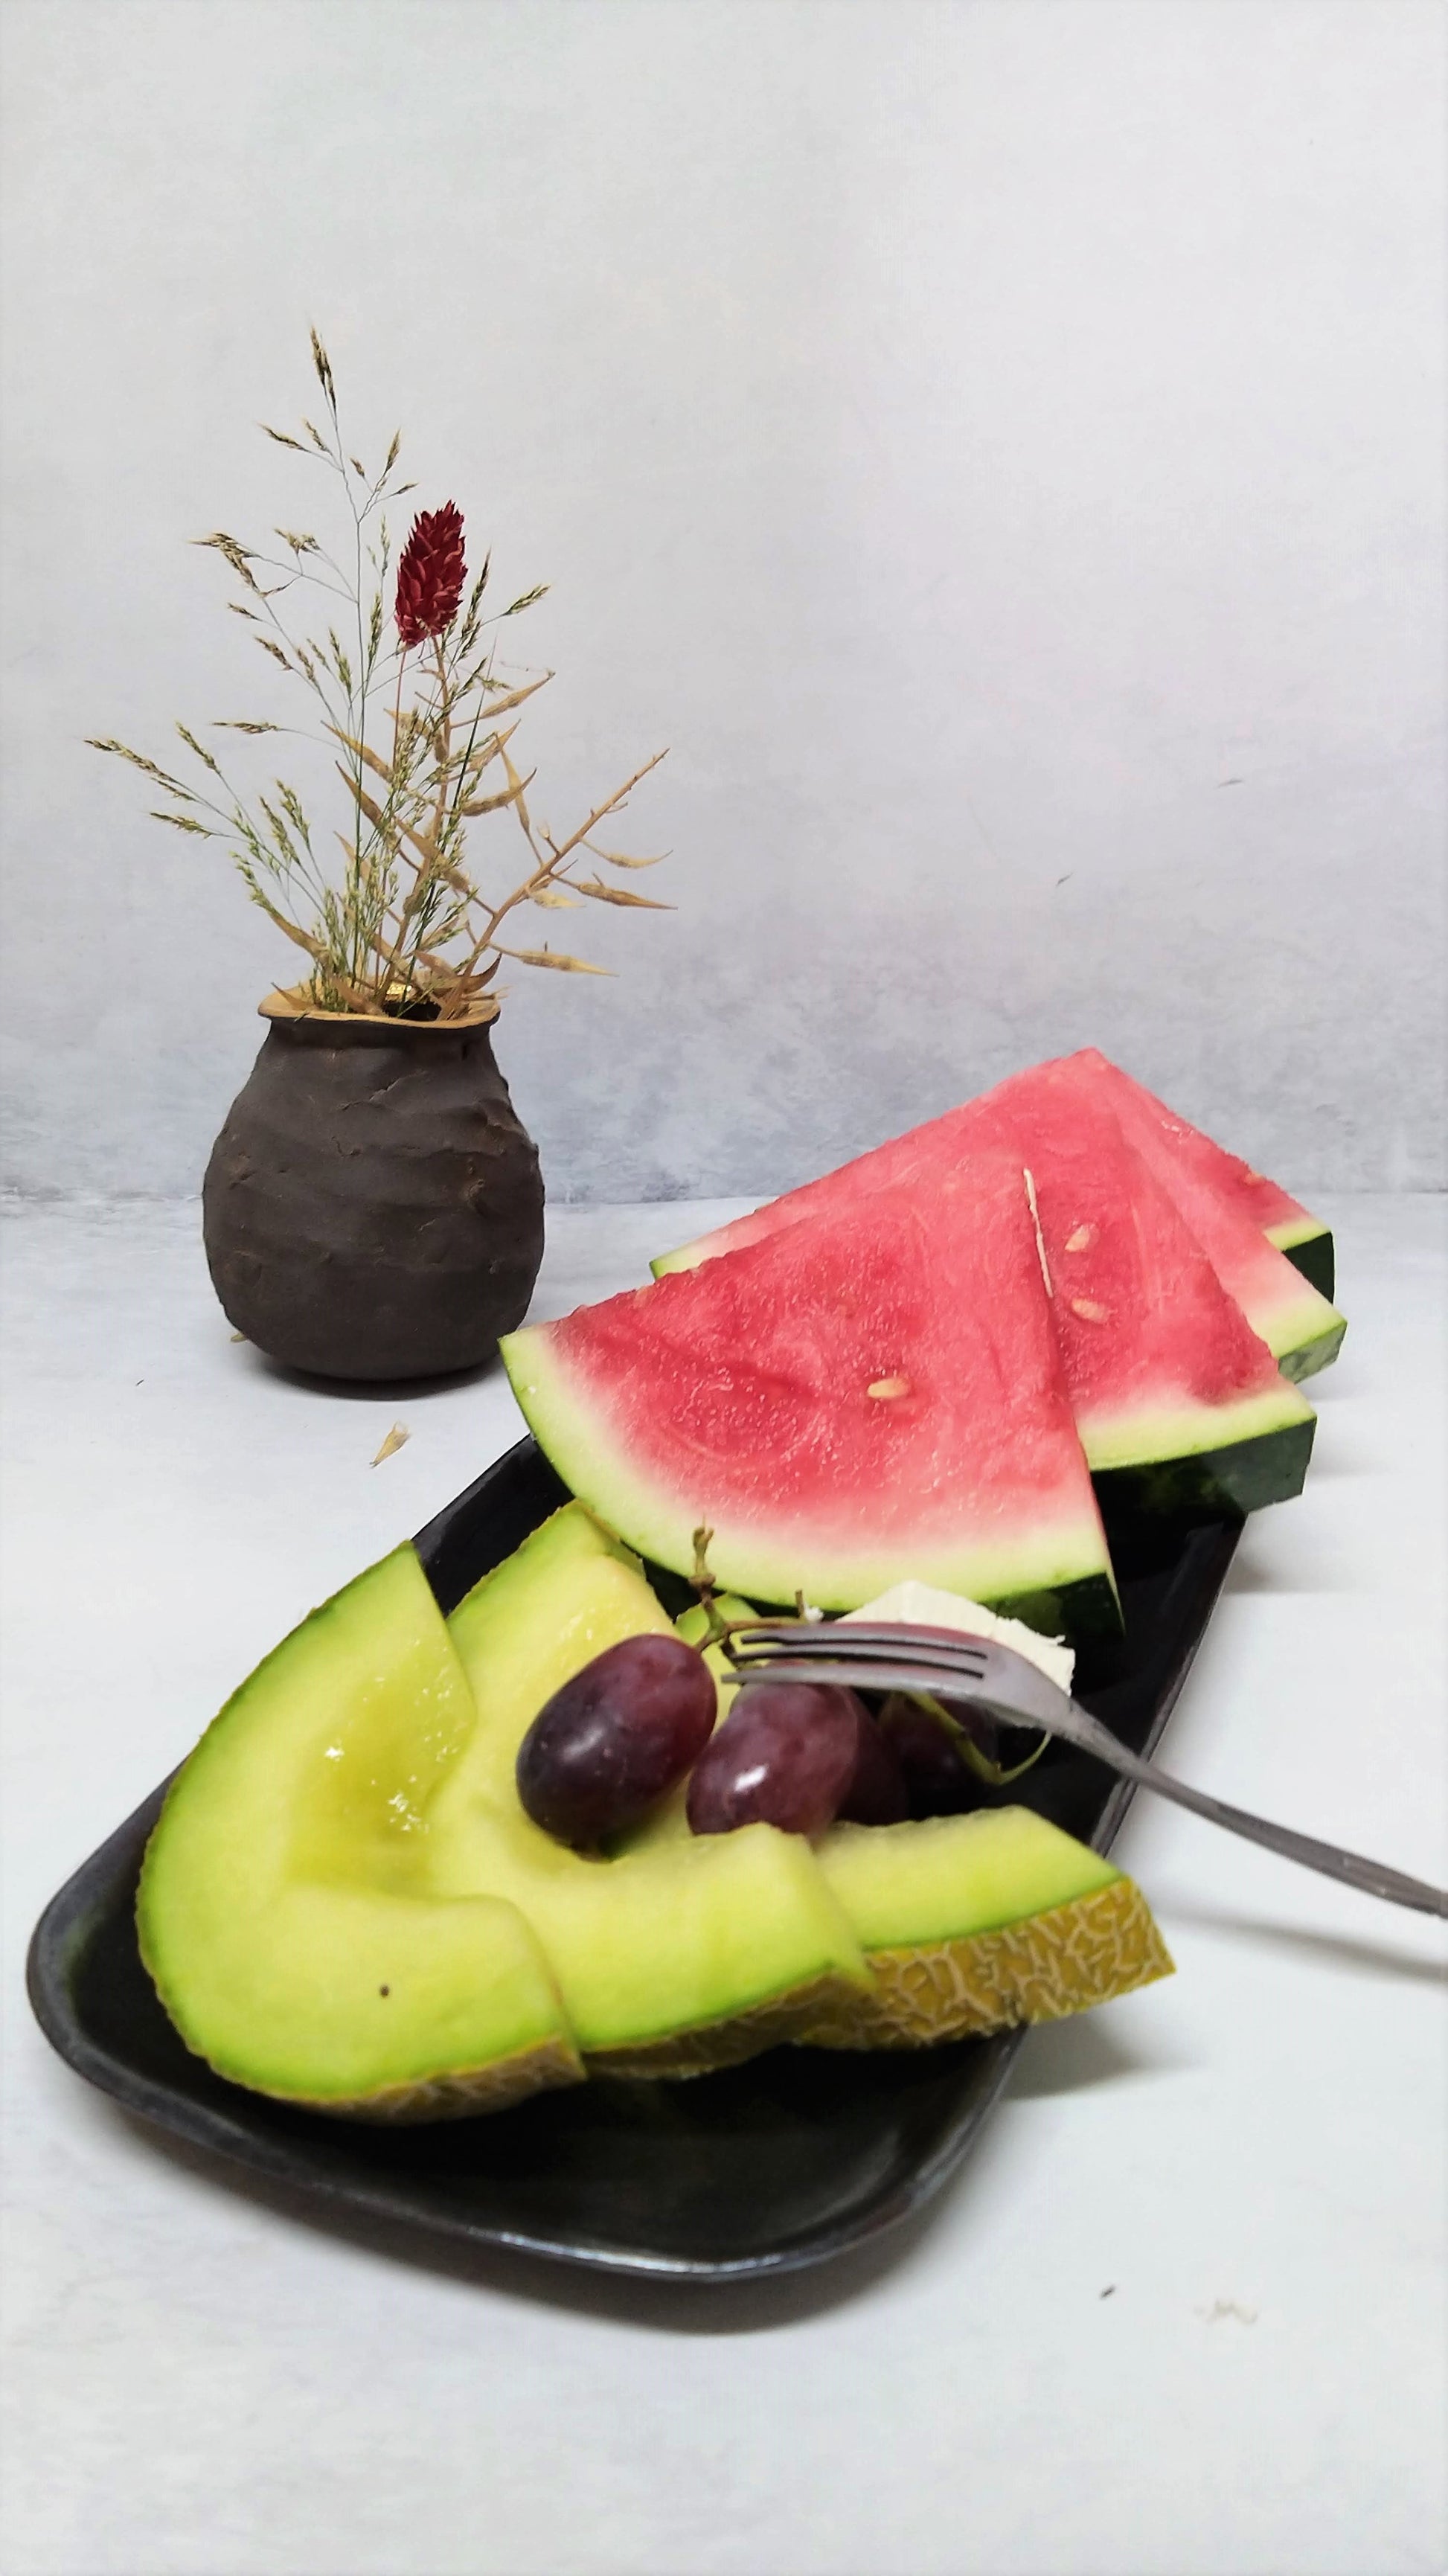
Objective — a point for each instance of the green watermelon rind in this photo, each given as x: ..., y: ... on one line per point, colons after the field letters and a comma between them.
x: 1152, y: 1433
x: 1303, y: 1335
x: 685, y: 1256
x: 1308, y: 1245
x: 1057, y: 1579
x: 1241, y: 1476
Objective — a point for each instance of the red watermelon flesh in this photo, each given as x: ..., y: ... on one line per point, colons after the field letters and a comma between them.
x: 864, y: 1397
x: 1300, y: 1328
x: 1282, y: 1218
x: 1161, y: 1364
x: 1176, y: 1399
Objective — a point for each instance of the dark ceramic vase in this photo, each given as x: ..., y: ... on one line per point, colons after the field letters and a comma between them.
x: 373, y: 1206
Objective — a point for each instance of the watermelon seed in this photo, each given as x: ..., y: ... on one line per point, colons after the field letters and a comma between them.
x: 885, y: 1387
x: 1090, y: 1312
x: 1082, y: 1239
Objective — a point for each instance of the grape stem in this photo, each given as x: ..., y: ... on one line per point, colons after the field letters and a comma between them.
x: 994, y: 1774
x: 707, y: 1589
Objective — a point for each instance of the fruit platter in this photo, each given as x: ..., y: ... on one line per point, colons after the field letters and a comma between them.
x: 489, y: 1905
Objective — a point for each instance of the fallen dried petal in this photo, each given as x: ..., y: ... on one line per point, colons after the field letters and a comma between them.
x: 396, y: 1439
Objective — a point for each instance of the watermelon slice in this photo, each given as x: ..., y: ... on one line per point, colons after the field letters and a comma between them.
x: 870, y: 1396
x: 1300, y: 1328
x: 1178, y: 1404
x: 1284, y: 1220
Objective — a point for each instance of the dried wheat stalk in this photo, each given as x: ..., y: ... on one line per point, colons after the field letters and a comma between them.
x: 415, y: 706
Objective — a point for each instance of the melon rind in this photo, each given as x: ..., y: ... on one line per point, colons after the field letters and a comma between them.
x: 1079, y: 1954
x: 978, y: 1922
x: 1048, y: 1575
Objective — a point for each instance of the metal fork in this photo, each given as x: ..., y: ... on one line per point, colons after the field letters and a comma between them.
x: 950, y: 1666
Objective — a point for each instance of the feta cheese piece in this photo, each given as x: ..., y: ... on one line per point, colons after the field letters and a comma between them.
x: 920, y: 1605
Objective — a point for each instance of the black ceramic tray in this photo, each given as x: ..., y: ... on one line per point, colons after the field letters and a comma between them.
x: 772, y: 2166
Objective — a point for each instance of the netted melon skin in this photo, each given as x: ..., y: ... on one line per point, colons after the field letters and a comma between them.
x: 728, y: 2042
x: 1043, y: 1969
x: 461, y: 2094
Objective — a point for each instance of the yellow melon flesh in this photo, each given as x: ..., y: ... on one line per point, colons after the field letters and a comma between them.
x: 282, y: 1913
x: 679, y: 1954
x: 344, y: 1904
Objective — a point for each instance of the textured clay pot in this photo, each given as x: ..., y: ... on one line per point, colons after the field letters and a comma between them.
x: 373, y: 1207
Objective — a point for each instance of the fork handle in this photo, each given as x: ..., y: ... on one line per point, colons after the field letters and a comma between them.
x: 1046, y: 1707
x: 1371, y: 1876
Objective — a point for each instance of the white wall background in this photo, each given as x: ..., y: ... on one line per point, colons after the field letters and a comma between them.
x: 997, y: 443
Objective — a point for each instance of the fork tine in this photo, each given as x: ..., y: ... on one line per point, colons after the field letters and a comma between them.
x: 863, y: 1632
x: 965, y: 1657
x: 857, y: 1674
x: 848, y: 1634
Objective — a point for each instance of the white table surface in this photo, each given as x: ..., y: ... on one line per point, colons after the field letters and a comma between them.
x: 1182, y: 2312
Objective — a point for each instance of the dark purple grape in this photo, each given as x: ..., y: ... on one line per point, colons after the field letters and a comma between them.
x: 615, y: 1739
x: 938, y: 1779
x: 877, y: 1795
x: 785, y: 1755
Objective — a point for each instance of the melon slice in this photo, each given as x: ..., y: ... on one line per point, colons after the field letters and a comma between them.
x: 676, y: 1956
x: 975, y: 1923
x: 344, y: 1906
x: 281, y: 1910
x: 966, y: 1922
x: 343, y: 1903
x: 873, y: 1396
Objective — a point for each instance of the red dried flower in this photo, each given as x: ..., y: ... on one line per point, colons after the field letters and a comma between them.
x: 430, y: 575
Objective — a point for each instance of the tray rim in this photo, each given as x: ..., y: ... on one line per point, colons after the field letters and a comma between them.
x: 64, y: 1923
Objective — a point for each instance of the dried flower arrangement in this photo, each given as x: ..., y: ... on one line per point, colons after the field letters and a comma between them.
x: 417, y: 721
